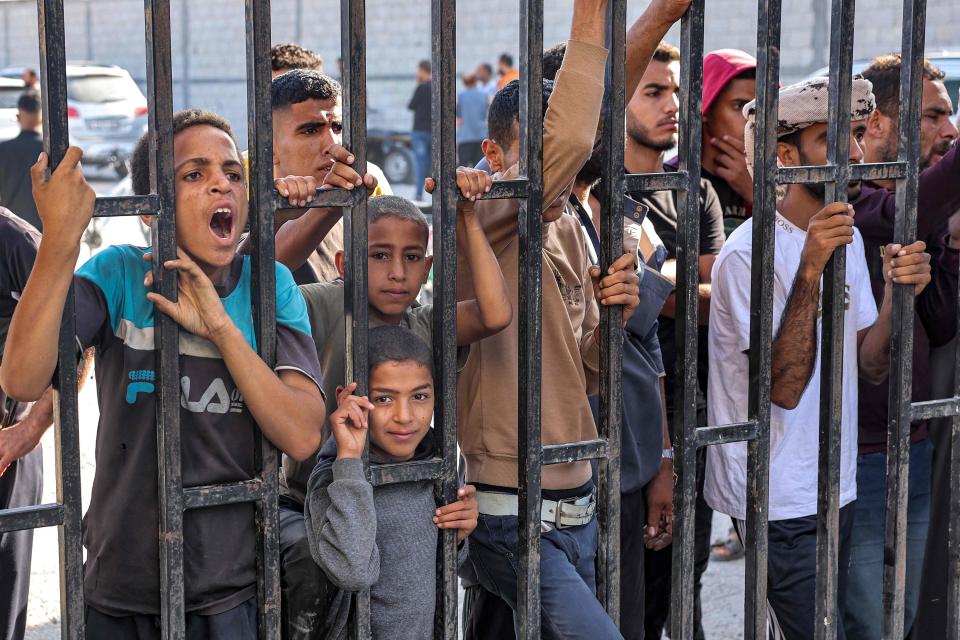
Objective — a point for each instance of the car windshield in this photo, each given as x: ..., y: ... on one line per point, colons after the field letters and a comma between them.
x: 101, y: 88
x: 9, y: 97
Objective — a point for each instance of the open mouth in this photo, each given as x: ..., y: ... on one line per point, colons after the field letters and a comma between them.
x: 221, y: 224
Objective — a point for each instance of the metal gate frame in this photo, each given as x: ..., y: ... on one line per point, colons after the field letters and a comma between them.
x: 688, y: 438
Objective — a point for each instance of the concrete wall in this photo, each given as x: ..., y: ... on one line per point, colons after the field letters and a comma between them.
x: 208, y: 39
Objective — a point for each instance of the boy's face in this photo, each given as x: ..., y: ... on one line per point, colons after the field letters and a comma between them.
x: 211, y: 197
x: 725, y: 117
x: 397, y: 266
x: 302, y: 133
x: 402, y: 397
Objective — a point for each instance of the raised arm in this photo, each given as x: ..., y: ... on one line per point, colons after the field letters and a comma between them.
x: 65, y: 203
x: 645, y: 34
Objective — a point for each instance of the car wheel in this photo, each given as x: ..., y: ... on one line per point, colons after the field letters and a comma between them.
x: 398, y: 166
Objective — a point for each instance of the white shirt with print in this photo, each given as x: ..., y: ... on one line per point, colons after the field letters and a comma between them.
x: 794, y: 434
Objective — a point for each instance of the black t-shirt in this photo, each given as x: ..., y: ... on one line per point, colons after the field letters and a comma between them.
x: 735, y: 209
x: 663, y: 214
x: 420, y: 105
x: 18, y: 249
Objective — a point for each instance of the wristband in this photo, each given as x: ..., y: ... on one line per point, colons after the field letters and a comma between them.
x: 667, y: 454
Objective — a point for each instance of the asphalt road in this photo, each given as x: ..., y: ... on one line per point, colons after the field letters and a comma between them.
x: 723, y: 586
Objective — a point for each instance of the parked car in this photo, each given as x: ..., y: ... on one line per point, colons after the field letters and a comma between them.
x: 948, y: 61
x: 10, y: 90
x: 106, y: 112
x: 390, y: 150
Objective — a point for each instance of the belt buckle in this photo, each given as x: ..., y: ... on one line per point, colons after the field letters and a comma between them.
x: 558, y: 516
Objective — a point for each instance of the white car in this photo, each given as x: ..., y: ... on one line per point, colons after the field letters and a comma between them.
x: 10, y: 90
x: 106, y: 112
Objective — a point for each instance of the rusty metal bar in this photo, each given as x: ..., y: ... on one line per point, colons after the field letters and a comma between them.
x: 761, y: 316
x: 669, y: 181
x: 832, y: 336
x: 824, y: 173
x: 740, y: 432
x: 33, y: 517
x: 407, y: 472
x: 688, y: 280
x: 932, y: 409
x: 574, y: 452
x: 326, y: 198
x: 219, y: 494
x: 506, y: 189
x: 529, y: 312
x: 113, y: 207
x: 443, y: 31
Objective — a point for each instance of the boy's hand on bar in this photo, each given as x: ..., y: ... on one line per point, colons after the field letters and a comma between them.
x: 461, y: 515
x: 64, y: 199
x: 198, y: 308
x: 341, y: 172
x: 619, y: 286
x: 908, y: 264
x: 350, y: 422
x: 299, y: 190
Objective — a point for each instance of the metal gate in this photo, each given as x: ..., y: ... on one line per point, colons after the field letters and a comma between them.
x: 688, y: 438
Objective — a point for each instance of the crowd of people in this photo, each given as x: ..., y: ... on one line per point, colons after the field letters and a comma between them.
x: 340, y: 535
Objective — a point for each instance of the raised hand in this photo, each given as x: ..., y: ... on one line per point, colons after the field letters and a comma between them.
x: 64, y: 199
x: 350, y: 422
x: 342, y: 174
x: 461, y: 515
x: 619, y: 286
x: 907, y: 265
x: 198, y: 308
x: 732, y: 166
x: 830, y: 228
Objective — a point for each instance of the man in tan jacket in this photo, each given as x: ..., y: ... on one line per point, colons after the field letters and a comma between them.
x: 572, y: 292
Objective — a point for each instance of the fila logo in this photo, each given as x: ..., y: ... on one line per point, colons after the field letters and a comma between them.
x: 216, y: 398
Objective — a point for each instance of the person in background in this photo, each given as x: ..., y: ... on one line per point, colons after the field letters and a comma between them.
x: 18, y: 155
x: 31, y: 81
x: 485, y: 79
x: 506, y: 71
x: 287, y: 56
x: 421, y: 133
x: 472, y: 104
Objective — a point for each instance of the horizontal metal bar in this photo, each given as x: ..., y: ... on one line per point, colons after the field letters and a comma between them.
x: 326, y: 198
x: 931, y: 409
x: 506, y: 189
x: 574, y: 452
x: 673, y: 181
x: 738, y: 432
x: 118, y: 206
x: 826, y: 173
x: 406, y: 472
x: 33, y: 517
x: 213, y: 495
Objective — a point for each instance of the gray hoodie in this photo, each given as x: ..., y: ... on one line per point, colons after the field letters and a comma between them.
x: 382, y: 539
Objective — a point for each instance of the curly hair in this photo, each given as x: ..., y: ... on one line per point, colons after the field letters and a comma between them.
x: 292, y: 56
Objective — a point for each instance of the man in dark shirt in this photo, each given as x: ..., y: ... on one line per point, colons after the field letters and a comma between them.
x: 18, y: 155
x: 651, y: 127
x: 934, y: 324
x: 420, y: 134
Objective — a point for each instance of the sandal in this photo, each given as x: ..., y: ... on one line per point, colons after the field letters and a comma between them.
x: 727, y: 550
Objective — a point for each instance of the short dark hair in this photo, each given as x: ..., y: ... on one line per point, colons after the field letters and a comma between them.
x: 486, y: 67
x: 884, y: 74
x: 666, y: 52
x: 182, y: 120
x: 552, y: 59
x: 29, y: 102
x: 506, y: 59
x: 381, y: 207
x: 424, y: 65
x: 301, y: 85
x: 392, y: 343
x: 293, y: 56
x: 505, y: 110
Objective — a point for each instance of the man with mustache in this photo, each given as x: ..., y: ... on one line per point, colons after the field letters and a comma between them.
x: 934, y: 325
x: 651, y: 128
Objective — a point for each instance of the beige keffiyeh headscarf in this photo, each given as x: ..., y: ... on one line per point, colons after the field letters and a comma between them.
x: 807, y: 103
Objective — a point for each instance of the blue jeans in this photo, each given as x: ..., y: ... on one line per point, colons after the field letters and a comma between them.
x: 569, y: 608
x: 420, y: 145
x: 864, y: 614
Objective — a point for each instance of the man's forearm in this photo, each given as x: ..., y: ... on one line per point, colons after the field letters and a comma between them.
x: 299, y: 238
x: 30, y: 354
x: 589, y: 22
x: 289, y: 417
x: 874, y: 355
x: 795, y: 346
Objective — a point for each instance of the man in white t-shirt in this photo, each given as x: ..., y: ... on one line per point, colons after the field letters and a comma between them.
x: 807, y: 233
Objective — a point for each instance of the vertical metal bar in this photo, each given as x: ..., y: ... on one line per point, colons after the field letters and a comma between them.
x: 901, y: 346
x: 953, y: 521
x: 354, y: 53
x: 688, y: 278
x: 611, y: 353
x: 261, y: 192
x: 761, y: 316
x: 831, y: 356
x: 530, y: 453
x: 444, y: 133
x: 169, y: 478
x: 55, y: 142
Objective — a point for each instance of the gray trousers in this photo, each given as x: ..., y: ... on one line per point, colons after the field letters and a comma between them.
x: 20, y: 486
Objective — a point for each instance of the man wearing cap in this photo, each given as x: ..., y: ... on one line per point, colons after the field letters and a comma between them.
x: 808, y: 231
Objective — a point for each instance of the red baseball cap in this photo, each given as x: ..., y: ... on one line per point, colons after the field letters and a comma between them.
x: 719, y: 68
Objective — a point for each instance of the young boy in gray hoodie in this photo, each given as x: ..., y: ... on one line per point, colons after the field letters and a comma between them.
x: 383, y: 538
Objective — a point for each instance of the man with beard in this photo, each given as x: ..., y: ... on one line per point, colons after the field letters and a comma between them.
x: 808, y: 231
x: 651, y: 128
x: 934, y: 325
